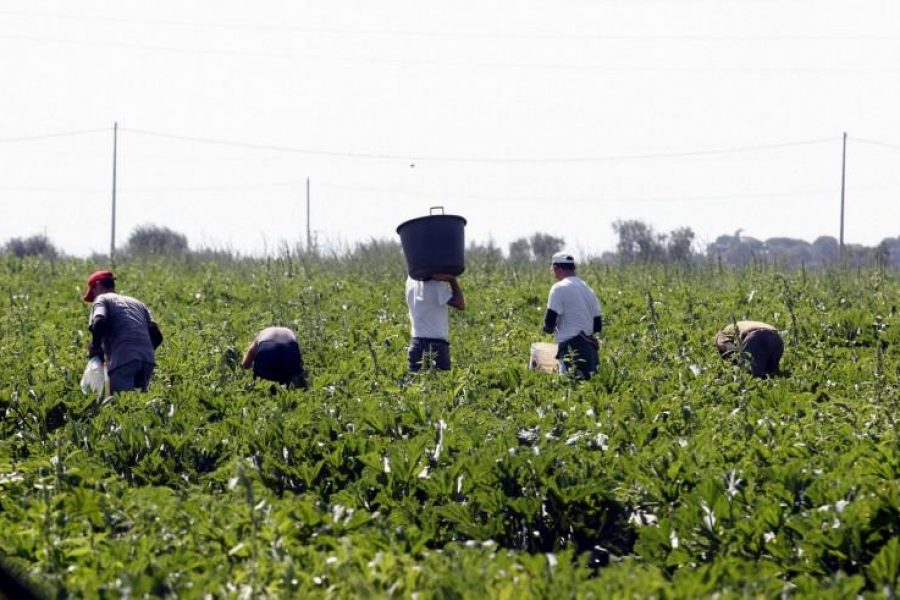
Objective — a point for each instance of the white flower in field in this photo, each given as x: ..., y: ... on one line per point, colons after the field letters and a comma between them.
x: 423, y: 474
x: 768, y: 537
x: 732, y: 484
x: 536, y: 450
x: 317, y: 580
x: 695, y: 369
x: 673, y: 539
x: 459, y: 481
x: 575, y: 437
x: 552, y: 561
x: 840, y: 505
x: 386, y: 463
x: 641, y: 518
x: 232, y: 483
x: 331, y: 560
x: 54, y: 460
x: 709, y: 517
x: 11, y: 477
x: 337, y: 512
x: 589, y: 412
x: 236, y: 549
x: 529, y: 436
x: 682, y: 442
x: 512, y: 451
x: 601, y: 440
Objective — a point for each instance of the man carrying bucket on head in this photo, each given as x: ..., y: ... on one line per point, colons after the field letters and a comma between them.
x: 573, y: 317
x: 429, y: 317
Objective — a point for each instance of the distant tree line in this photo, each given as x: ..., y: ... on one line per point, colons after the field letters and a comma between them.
x: 144, y: 241
x: 637, y: 242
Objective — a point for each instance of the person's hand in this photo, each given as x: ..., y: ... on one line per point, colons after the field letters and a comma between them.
x: 444, y: 277
x: 94, y: 350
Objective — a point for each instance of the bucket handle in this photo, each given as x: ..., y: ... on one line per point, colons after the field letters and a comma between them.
x: 434, y: 208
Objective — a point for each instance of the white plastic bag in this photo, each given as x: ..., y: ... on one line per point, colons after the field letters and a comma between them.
x: 94, y: 378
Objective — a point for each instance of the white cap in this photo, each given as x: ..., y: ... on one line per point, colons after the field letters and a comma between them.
x: 563, y: 258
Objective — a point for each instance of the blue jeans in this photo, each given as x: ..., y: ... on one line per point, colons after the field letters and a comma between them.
x: 430, y: 353
x: 133, y: 375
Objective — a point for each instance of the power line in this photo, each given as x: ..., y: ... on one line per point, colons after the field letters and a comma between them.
x: 875, y: 143
x: 45, y: 136
x: 137, y: 190
x: 461, y: 159
x: 461, y: 34
x: 610, y: 199
x: 665, y: 69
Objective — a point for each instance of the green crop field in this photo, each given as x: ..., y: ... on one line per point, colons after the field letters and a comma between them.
x: 670, y: 474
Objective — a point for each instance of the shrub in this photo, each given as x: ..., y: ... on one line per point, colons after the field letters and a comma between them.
x: 153, y: 240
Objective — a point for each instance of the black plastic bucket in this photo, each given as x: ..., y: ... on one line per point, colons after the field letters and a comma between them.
x: 434, y: 244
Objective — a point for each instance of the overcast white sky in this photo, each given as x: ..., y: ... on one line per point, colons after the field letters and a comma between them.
x: 519, y: 115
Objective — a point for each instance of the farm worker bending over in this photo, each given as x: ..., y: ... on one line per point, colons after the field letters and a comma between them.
x: 760, y: 340
x: 430, y: 319
x: 275, y: 356
x: 573, y: 317
x: 123, y: 334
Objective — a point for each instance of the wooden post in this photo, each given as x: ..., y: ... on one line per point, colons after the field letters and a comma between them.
x: 843, y: 180
x: 112, y: 237
x: 308, y: 234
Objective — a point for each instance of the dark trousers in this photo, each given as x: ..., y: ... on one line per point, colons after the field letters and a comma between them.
x: 281, y: 363
x: 764, y: 348
x: 581, y: 354
x: 429, y: 353
x: 133, y: 375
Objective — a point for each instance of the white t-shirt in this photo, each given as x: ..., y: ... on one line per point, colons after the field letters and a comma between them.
x: 576, y: 304
x: 429, y: 314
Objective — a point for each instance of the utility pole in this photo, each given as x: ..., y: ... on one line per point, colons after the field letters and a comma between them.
x: 843, y: 180
x: 112, y: 237
x: 308, y: 235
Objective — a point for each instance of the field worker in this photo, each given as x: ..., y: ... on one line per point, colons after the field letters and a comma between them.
x: 275, y: 356
x: 123, y: 334
x: 760, y: 340
x: 573, y: 317
x: 429, y: 317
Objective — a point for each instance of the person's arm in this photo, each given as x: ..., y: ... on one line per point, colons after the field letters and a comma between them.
x: 457, y: 300
x: 98, y: 330
x: 97, y: 325
x: 550, y: 318
x: 250, y: 355
x: 156, y: 335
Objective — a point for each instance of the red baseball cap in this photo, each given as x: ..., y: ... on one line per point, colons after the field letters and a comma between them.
x: 94, y: 278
